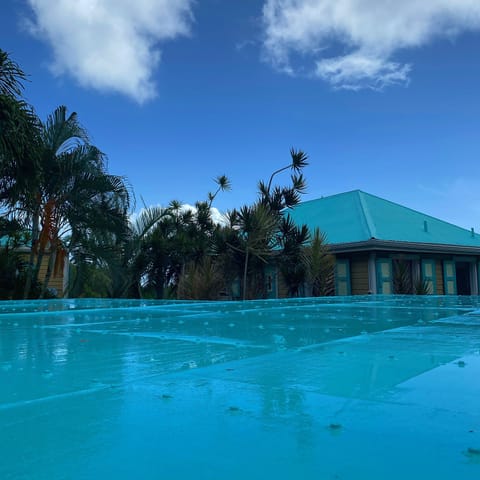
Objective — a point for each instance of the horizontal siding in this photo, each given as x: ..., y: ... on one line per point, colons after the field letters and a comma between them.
x: 359, y: 276
x: 439, y: 277
x: 281, y: 286
x: 56, y: 282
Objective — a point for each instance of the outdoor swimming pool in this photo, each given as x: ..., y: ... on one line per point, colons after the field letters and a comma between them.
x: 333, y: 388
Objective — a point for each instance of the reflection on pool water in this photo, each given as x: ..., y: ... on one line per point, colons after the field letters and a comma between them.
x: 331, y: 388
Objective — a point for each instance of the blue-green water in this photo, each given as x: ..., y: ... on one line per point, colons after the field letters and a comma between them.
x: 334, y: 388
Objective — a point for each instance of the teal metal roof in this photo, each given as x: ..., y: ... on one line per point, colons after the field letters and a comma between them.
x: 358, y: 217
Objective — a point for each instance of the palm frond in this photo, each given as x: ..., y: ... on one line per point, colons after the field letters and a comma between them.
x: 11, y: 76
x: 147, y: 219
x: 299, y: 159
x: 63, y: 133
x: 223, y: 183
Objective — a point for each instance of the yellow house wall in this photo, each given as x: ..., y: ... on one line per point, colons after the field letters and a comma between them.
x: 56, y: 282
x: 439, y: 277
x: 359, y: 275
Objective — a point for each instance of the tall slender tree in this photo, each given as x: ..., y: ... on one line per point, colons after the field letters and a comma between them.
x: 278, y: 198
x: 19, y: 131
x: 256, y: 231
x: 258, y: 227
x: 52, y: 180
x: 71, y: 196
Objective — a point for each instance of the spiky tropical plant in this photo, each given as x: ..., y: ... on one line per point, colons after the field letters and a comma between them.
x: 202, y: 281
x: 223, y: 185
x: 402, y: 278
x: 278, y: 198
x: 320, y: 265
x: 252, y: 236
x: 255, y: 226
x: 292, y: 260
x: 422, y: 287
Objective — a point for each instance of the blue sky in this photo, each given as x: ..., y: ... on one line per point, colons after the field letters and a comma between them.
x: 383, y: 96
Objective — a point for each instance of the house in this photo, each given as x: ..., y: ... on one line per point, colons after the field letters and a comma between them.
x: 58, y: 284
x: 382, y: 247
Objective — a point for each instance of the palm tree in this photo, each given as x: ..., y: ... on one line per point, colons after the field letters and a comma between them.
x: 56, y: 137
x: 252, y: 237
x: 73, y: 195
x: 137, y: 253
x: 19, y: 129
x: 320, y: 265
x: 181, y: 249
x: 52, y: 180
x: 10, y: 259
x: 280, y: 198
x: 11, y: 76
x: 223, y: 185
x: 90, y: 257
x: 228, y: 254
x: 121, y: 257
x: 93, y: 203
x: 292, y: 259
x: 19, y: 140
x: 256, y: 226
x: 19, y: 133
x: 204, y: 281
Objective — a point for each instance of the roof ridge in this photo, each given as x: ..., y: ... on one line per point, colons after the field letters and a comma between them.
x: 372, y: 233
x: 358, y: 216
x: 324, y: 197
x: 428, y: 216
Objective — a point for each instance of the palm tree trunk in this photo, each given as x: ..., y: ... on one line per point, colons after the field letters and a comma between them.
x: 73, y: 281
x: 48, y: 274
x: 31, y: 274
x: 37, y: 267
x: 245, y: 270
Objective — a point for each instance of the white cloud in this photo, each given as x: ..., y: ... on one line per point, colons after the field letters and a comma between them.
x: 356, y: 71
x: 352, y: 42
x: 217, y: 216
x: 110, y: 45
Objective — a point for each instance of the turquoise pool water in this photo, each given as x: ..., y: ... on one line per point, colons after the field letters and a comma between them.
x: 334, y: 388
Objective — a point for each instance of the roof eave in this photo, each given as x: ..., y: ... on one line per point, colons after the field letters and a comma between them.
x: 393, y: 245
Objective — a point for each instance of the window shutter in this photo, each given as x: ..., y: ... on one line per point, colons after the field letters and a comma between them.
x: 342, y: 277
x: 428, y: 275
x: 384, y: 276
x: 449, y: 278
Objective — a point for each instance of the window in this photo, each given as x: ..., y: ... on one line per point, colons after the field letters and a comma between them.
x: 342, y: 277
x: 384, y: 276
